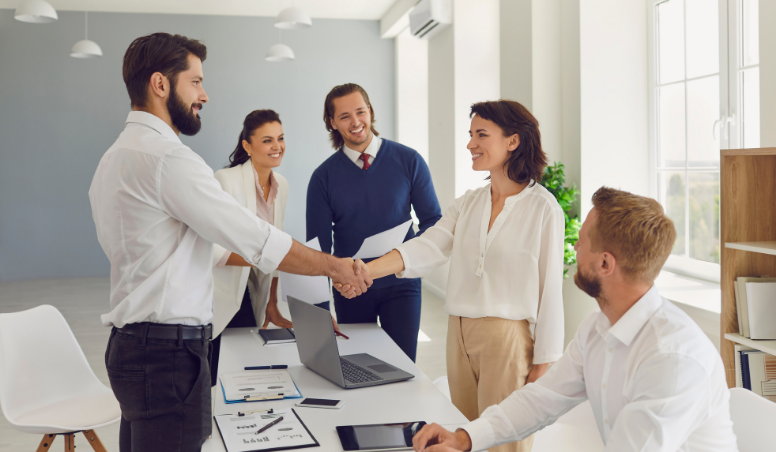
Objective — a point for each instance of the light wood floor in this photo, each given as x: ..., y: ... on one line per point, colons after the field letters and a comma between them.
x: 82, y: 301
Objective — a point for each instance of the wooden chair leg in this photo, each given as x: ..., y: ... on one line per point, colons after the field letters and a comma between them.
x: 45, y: 443
x: 69, y: 442
x: 94, y: 441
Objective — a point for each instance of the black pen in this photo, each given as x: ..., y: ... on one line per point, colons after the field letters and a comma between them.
x: 275, y: 366
x: 266, y: 427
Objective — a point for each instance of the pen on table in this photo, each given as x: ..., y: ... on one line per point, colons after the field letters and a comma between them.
x: 274, y: 366
x: 266, y: 427
x: 267, y: 410
x: 340, y: 334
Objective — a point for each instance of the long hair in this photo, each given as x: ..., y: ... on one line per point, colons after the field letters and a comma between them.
x: 328, y: 111
x: 527, y: 162
x: 253, y: 121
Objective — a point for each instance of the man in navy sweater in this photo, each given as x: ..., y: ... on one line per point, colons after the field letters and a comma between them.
x: 369, y: 186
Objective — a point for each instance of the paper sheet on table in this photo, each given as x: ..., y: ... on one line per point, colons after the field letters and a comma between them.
x: 239, y: 432
x: 257, y: 383
x: 310, y: 289
x: 381, y: 244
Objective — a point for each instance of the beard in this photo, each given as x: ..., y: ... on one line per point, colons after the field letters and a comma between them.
x: 590, y: 284
x: 182, y: 116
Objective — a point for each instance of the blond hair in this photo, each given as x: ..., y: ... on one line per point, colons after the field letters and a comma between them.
x: 635, y: 230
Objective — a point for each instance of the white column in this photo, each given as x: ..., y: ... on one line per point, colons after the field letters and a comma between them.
x: 767, y: 74
x: 412, y: 92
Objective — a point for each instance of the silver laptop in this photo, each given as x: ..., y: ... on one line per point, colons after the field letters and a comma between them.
x: 317, y: 345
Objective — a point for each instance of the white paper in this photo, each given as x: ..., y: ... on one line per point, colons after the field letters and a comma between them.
x: 239, y: 432
x: 383, y: 243
x: 258, y: 383
x: 761, y: 303
x: 310, y: 289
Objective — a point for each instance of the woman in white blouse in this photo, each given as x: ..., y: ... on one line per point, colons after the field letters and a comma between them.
x: 505, y: 245
x: 244, y: 296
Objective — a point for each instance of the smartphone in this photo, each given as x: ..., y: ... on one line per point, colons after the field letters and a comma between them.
x: 378, y: 437
x: 321, y: 403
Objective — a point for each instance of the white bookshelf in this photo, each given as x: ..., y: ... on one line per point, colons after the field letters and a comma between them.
x: 767, y: 346
x: 755, y: 247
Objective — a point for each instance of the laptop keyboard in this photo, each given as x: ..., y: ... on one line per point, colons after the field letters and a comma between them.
x: 355, y: 374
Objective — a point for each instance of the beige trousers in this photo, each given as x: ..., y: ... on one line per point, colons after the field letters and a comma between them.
x: 487, y: 360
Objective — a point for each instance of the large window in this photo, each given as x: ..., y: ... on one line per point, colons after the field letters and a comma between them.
x: 704, y: 97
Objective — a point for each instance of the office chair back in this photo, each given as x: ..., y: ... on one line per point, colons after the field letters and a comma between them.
x: 753, y: 419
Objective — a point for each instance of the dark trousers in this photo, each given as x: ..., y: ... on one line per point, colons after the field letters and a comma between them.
x: 243, y: 319
x: 162, y: 387
x: 398, y: 308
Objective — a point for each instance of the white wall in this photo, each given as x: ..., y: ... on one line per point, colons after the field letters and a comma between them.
x: 412, y: 92
x: 767, y: 74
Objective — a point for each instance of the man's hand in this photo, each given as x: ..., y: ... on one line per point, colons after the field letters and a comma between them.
x: 334, y: 323
x: 434, y: 438
x: 351, y: 290
x: 536, y: 372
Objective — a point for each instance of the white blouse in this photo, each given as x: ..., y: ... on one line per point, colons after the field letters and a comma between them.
x: 514, y: 272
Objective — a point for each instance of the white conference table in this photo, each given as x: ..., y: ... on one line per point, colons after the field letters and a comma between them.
x: 407, y: 401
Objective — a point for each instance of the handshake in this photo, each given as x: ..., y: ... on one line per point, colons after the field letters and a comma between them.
x: 350, y: 278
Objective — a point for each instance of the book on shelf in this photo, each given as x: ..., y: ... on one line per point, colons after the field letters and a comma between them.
x: 742, y: 305
x: 761, y: 304
x: 756, y: 371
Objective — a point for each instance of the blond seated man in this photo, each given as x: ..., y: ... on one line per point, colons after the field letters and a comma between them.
x: 654, y: 380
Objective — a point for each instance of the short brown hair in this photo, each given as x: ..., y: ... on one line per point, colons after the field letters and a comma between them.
x: 635, y: 230
x: 527, y: 162
x: 328, y: 110
x: 158, y: 52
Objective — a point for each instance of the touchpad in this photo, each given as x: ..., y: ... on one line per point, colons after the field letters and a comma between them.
x: 382, y: 368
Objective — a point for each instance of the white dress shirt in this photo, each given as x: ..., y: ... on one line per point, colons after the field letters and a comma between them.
x: 158, y: 210
x: 371, y: 149
x: 514, y: 272
x: 654, y: 381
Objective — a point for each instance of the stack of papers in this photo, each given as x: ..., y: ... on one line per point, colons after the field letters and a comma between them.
x: 240, y: 433
x: 256, y: 385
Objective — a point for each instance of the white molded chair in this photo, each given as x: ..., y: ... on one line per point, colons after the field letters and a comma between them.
x: 753, y: 418
x: 46, y: 384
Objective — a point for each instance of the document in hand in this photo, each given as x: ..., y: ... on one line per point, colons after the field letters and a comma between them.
x: 310, y: 289
x: 240, y: 433
x: 258, y: 384
x: 384, y: 242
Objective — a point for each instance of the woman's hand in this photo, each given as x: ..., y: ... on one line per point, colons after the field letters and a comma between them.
x: 536, y: 372
x: 273, y: 313
x: 334, y: 322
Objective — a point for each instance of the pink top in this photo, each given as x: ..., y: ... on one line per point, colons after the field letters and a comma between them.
x: 264, y: 209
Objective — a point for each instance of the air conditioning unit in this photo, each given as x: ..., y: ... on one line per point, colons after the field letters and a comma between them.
x: 429, y: 17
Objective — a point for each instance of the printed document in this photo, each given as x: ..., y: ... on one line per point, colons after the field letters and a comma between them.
x: 257, y: 383
x: 241, y: 433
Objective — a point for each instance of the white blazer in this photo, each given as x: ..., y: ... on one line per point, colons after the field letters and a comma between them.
x: 230, y: 281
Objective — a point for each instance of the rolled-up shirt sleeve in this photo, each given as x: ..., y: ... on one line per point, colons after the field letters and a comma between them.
x: 424, y: 253
x: 188, y: 192
x: 549, y: 330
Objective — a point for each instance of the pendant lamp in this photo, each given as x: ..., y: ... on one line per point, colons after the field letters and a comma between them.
x: 293, y: 19
x: 35, y: 12
x: 86, y: 48
x: 279, y: 52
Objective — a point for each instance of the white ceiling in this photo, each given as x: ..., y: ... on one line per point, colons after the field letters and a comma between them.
x: 317, y: 9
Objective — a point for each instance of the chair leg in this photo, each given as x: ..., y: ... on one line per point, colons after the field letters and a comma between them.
x: 69, y: 442
x: 94, y: 441
x: 45, y: 443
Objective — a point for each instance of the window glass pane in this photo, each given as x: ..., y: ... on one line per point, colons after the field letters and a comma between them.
x: 671, y: 196
x: 750, y: 107
x: 702, y: 111
x: 704, y: 216
x: 750, y: 29
x: 670, y: 32
x: 671, y: 130
x: 702, y: 38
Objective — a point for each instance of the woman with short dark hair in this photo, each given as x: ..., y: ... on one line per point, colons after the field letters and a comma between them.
x: 505, y: 244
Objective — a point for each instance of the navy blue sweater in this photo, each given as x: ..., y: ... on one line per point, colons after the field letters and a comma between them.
x: 357, y: 204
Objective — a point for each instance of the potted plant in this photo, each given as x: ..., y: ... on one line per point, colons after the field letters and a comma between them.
x: 554, y: 180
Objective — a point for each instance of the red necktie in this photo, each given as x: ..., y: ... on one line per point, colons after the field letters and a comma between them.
x: 364, y: 157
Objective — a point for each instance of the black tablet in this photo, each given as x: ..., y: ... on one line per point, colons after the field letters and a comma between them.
x: 379, y: 437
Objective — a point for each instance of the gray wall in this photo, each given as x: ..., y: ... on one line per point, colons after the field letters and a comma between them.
x: 58, y: 115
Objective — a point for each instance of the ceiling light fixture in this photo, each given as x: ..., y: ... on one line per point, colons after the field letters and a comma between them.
x: 35, y: 12
x: 86, y: 48
x: 293, y: 19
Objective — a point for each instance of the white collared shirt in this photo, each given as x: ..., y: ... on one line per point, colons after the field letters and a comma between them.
x: 514, y: 272
x: 654, y: 381
x: 158, y: 210
x: 371, y: 149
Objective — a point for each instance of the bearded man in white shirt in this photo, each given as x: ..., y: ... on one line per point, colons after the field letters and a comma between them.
x: 158, y: 209
x: 654, y: 380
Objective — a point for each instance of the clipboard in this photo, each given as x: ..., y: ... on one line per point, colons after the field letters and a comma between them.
x: 259, y: 398
x: 271, y: 445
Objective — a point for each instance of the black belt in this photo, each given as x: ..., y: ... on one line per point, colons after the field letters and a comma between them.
x: 167, y: 331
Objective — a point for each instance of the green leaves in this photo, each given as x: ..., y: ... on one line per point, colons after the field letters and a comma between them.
x: 553, y: 180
